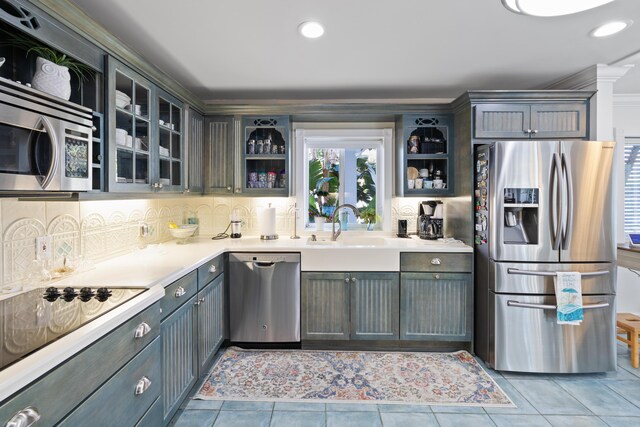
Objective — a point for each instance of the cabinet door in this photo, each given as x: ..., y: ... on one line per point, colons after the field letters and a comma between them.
x: 220, y: 154
x: 210, y: 321
x: 374, y: 306
x: 554, y: 120
x: 502, y: 121
x: 325, y: 306
x: 436, y: 306
x: 195, y: 153
x: 131, y: 134
x: 169, y: 154
x: 179, y: 367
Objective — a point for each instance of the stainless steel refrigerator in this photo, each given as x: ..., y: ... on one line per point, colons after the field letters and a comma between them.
x: 542, y: 207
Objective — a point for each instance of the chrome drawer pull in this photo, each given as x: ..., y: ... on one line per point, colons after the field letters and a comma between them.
x: 553, y: 273
x: 142, y: 385
x: 180, y: 291
x: 25, y: 418
x: 141, y: 330
x: 200, y: 301
x: 212, y: 269
x: 511, y: 303
x: 436, y: 261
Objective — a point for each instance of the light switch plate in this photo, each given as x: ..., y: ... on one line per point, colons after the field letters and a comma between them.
x: 43, y: 248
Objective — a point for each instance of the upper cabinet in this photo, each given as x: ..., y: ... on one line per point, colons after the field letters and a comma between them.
x: 264, y: 165
x: 545, y: 120
x: 146, y: 150
x: 248, y: 155
x: 194, y: 144
x: 424, y: 155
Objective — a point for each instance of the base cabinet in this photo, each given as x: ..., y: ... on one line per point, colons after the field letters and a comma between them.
x: 343, y: 306
x: 435, y: 306
x: 191, y: 331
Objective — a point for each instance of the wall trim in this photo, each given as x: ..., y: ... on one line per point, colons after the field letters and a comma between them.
x: 626, y: 100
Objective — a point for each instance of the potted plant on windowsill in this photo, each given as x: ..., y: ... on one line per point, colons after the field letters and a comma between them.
x: 53, y: 68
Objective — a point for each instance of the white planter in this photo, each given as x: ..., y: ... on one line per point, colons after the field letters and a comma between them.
x: 319, y: 221
x: 52, y: 78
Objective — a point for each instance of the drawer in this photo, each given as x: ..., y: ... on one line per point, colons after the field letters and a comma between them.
x: 435, y: 261
x: 178, y: 293
x: 153, y: 417
x: 125, y: 398
x: 86, y: 371
x: 209, y: 271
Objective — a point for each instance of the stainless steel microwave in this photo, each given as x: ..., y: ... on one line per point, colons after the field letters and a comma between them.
x: 45, y: 142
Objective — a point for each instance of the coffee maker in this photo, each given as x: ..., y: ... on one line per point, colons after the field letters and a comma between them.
x: 430, y: 221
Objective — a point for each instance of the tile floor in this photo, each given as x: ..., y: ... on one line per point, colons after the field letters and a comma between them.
x: 609, y: 399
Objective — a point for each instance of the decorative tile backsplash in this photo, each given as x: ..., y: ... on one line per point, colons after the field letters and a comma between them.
x: 98, y: 230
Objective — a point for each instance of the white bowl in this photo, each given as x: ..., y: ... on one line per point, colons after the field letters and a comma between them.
x: 183, y: 231
x: 122, y: 99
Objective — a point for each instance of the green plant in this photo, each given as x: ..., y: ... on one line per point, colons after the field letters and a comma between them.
x: 323, y: 182
x: 31, y: 45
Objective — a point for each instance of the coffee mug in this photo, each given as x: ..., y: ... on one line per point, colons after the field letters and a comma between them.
x: 437, y: 183
x: 427, y: 183
x: 418, y: 183
x: 411, y: 184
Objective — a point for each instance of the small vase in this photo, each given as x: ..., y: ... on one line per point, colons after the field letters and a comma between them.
x: 52, y: 78
x: 319, y: 221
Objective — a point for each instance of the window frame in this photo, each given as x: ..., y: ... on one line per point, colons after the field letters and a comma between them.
x: 381, y: 139
x: 629, y: 141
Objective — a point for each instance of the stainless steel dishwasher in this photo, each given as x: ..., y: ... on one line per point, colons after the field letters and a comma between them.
x: 264, y: 297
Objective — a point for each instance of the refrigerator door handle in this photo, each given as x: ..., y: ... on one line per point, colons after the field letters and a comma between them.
x: 555, y: 204
x: 553, y: 273
x: 566, y: 233
x: 513, y: 303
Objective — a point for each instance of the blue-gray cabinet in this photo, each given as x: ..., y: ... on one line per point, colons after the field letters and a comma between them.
x: 544, y: 120
x: 424, y: 155
x: 179, y: 364
x: 343, y: 306
x: 220, y: 157
x: 210, y: 321
x: 436, y: 302
x: 192, y: 330
x: 194, y: 143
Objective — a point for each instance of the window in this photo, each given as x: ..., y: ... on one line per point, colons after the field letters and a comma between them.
x: 632, y: 185
x: 344, y: 167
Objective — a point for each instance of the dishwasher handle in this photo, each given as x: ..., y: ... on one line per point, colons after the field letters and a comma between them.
x: 261, y: 264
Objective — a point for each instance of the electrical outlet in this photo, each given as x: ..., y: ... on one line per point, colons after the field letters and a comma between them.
x: 43, y: 248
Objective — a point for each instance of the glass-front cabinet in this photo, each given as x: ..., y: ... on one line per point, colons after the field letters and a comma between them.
x: 425, y: 155
x: 265, y: 155
x: 145, y: 134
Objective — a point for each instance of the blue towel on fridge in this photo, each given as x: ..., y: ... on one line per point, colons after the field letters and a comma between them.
x: 569, y: 298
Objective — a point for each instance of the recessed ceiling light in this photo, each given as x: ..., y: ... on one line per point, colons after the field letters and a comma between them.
x: 311, y: 29
x: 610, y: 28
x: 552, y: 7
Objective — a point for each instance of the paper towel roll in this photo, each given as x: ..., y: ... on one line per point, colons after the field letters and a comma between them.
x: 267, y: 223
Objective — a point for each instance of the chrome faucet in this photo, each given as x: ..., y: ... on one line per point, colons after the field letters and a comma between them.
x: 334, y: 218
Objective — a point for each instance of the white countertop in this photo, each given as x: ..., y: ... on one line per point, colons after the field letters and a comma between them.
x: 158, y: 266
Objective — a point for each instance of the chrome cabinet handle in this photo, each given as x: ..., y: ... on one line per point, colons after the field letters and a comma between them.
x: 436, y: 276
x: 141, y: 330
x: 534, y: 131
x: 142, y: 385
x: 93, y: 128
x: 436, y: 261
x: 212, y: 269
x: 353, y: 280
x: 179, y: 292
x: 346, y: 280
x: 198, y: 302
x: 229, y: 188
x: 528, y: 131
x: 512, y: 303
x: 25, y: 418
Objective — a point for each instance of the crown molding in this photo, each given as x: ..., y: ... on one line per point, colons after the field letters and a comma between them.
x: 591, y: 76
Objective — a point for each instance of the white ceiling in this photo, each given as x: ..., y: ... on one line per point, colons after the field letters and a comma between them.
x: 250, y: 49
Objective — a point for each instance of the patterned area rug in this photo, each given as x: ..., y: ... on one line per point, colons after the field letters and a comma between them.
x: 349, y: 376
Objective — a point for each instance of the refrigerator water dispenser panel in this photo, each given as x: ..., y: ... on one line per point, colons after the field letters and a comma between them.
x: 520, y: 225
